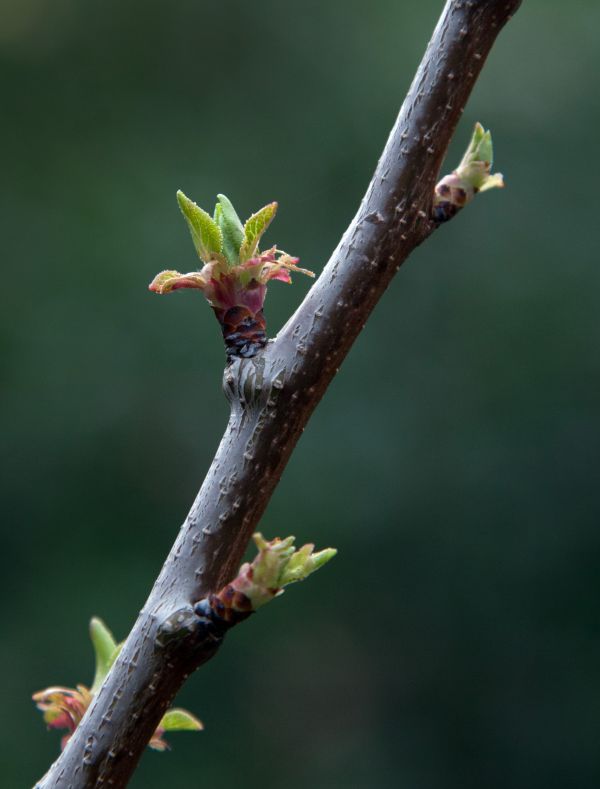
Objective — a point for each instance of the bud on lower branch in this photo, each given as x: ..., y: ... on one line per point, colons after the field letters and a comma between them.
x: 63, y: 708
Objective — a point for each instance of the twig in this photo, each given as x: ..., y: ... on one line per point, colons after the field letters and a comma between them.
x: 272, y: 397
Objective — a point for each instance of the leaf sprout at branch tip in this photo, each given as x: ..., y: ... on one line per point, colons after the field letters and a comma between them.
x: 472, y: 175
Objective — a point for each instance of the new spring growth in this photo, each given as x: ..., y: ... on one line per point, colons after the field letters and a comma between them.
x: 235, y: 272
x: 64, y: 708
x: 276, y: 565
x: 472, y: 175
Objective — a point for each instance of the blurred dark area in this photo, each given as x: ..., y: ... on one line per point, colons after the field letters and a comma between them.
x: 454, y: 462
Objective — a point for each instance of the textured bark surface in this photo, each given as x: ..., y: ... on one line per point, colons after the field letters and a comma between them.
x: 272, y: 397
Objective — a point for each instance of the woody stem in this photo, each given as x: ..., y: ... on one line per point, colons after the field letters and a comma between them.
x: 272, y: 397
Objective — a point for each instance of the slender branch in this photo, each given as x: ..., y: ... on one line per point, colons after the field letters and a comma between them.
x: 272, y: 397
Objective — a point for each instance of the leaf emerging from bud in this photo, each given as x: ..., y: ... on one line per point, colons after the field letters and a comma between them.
x: 206, y: 234
x: 174, y: 720
x: 64, y: 708
x: 472, y: 175
x: 167, y: 281
x: 106, y: 650
x: 235, y: 273
x: 231, y: 230
x: 254, y: 228
x: 276, y: 565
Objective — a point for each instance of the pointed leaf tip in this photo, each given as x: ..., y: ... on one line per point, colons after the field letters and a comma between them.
x: 485, y: 151
x: 205, y: 232
x: 254, y: 229
x: 104, y: 648
x: 180, y: 720
x: 473, y: 175
x: 322, y: 557
x: 304, y: 562
x: 231, y: 229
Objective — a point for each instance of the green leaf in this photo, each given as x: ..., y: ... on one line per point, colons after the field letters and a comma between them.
x: 476, y: 164
x: 480, y: 150
x: 104, y: 649
x: 254, y: 228
x: 276, y: 565
x: 485, y: 152
x: 472, y: 152
x: 206, y: 233
x: 180, y: 720
x: 231, y: 229
x: 304, y: 562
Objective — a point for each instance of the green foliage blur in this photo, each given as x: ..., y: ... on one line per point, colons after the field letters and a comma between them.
x: 455, y: 640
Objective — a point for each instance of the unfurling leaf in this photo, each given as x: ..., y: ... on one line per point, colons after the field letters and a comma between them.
x: 231, y: 229
x: 105, y: 647
x: 276, y: 565
x: 167, y: 281
x: 495, y: 181
x: 180, y: 720
x: 304, y: 562
x: 173, y: 720
x: 472, y: 175
x: 476, y: 165
x: 64, y: 708
x: 254, y: 228
x: 206, y: 234
x: 236, y: 273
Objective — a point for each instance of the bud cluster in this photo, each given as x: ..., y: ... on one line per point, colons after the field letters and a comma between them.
x: 235, y: 273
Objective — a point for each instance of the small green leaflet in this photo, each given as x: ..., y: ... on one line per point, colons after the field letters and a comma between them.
x: 231, y: 229
x: 105, y: 647
x: 254, y: 228
x: 180, y: 720
x: 206, y: 234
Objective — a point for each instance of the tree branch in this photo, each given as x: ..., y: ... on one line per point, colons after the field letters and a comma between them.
x: 272, y: 397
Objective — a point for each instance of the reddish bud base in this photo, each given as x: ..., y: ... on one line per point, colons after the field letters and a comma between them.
x: 244, y: 332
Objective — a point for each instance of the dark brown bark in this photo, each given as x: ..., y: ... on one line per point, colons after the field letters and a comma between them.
x: 272, y: 397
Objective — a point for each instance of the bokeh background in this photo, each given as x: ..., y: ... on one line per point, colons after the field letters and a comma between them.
x: 455, y: 641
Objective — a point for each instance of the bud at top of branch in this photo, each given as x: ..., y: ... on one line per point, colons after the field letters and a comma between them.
x: 472, y: 175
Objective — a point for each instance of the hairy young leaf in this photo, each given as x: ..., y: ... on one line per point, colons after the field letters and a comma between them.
x: 206, y: 233
x: 231, y: 229
x: 254, y: 228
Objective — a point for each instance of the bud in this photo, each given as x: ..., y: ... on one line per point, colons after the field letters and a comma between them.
x: 472, y: 175
x: 64, y: 708
x: 277, y: 564
x: 235, y: 273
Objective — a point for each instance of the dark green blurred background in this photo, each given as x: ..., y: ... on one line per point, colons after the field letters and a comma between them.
x: 455, y: 641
